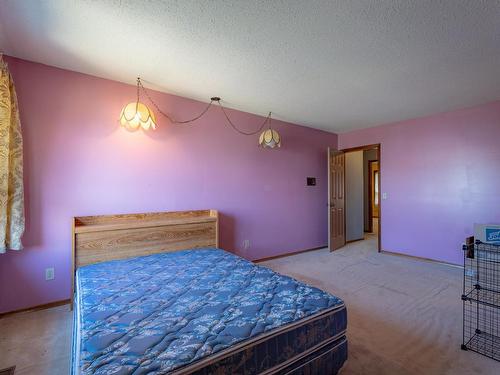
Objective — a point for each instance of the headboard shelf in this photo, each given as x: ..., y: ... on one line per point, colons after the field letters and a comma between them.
x: 87, y: 224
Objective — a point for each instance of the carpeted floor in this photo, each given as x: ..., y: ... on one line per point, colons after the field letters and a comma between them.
x: 38, y: 342
x: 404, y: 316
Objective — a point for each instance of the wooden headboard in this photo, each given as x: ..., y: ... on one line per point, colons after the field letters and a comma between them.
x: 109, y: 237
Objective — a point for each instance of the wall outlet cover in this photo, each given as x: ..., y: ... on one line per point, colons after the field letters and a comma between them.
x: 49, y: 273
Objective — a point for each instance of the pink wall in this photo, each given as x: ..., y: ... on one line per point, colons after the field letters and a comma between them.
x: 78, y: 161
x: 441, y: 174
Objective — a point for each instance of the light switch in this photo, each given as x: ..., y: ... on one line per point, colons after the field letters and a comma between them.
x: 311, y: 181
x: 384, y: 195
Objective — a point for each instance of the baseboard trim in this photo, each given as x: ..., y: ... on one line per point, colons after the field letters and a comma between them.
x: 36, y: 308
x: 415, y: 257
x: 288, y: 254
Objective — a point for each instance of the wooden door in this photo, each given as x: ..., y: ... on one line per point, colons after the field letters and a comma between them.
x: 336, y: 199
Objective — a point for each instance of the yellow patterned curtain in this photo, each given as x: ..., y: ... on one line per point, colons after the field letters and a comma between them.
x: 11, y: 165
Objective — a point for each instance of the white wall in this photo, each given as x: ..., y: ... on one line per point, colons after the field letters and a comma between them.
x: 354, y: 195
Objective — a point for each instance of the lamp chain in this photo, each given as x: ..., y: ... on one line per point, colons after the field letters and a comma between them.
x: 139, y: 84
x: 268, y: 118
x: 212, y: 100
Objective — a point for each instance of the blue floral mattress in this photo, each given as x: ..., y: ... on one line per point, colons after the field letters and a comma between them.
x: 199, y: 311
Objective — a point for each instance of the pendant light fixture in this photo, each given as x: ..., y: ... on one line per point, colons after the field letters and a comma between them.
x: 269, y: 138
x: 137, y: 115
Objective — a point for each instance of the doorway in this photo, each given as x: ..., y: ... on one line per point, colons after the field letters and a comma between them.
x: 372, y: 196
x: 354, y: 196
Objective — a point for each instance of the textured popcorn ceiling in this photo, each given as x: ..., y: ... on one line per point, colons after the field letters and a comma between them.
x: 334, y: 65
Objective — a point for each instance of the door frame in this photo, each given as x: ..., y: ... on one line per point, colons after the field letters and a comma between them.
x: 370, y: 198
x: 378, y: 147
x: 328, y: 197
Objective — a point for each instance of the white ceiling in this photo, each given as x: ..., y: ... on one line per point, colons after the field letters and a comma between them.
x: 333, y: 65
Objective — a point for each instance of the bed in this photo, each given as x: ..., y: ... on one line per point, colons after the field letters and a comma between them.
x: 155, y: 295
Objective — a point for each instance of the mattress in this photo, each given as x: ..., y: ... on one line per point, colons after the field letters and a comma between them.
x: 201, y: 311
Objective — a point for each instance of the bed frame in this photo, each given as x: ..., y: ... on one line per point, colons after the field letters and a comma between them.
x: 109, y: 237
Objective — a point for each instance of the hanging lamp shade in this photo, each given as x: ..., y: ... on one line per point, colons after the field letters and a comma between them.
x: 269, y: 138
x: 137, y: 115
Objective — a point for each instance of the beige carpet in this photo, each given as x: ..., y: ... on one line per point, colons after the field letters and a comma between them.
x: 38, y: 342
x: 405, y: 315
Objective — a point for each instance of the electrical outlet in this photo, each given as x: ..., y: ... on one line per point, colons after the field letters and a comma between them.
x: 49, y: 273
x: 384, y: 195
x: 246, y: 244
